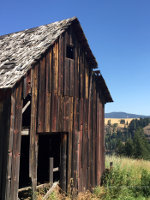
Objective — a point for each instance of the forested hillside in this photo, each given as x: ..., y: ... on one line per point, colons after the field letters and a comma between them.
x: 123, y: 115
x: 128, y: 141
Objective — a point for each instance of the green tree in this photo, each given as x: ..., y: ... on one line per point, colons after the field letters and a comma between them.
x: 109, y: 122
x: 129, y: 150
x: 140, y: 145
x: 120, y: 148
x: 122, y: 121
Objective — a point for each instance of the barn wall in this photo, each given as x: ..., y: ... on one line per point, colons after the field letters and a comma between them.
x: 65, y: 98
x: 10, y: 137
x: 4, y: 135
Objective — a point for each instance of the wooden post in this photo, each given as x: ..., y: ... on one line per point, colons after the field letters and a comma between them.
x: 33, y: 161
x: 111, y: 165
x: 63, y: 162
x: 51, y: 165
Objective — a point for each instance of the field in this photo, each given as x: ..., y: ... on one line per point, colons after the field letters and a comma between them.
x: 128, y: 163
x: 117, y: 121
x: 129, y: 179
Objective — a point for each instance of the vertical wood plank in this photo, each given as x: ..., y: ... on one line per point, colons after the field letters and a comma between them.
x: 50, y: 63
x: 27, y: 84
x: 75, y: 170
x: 10, y: 146
x: 89, y: 131
x: 47, y: 96
x: 41, y: 96
x: 86, y: 81
x: 103, y: 140
x: 94, y: 132
x: 33, y: 130
x: 1, y: 144
x: 66, y: 66
x: 86, y: 142
x: 82, y: 74
x: 55, y: 68
x: 63, y: 175
x: 61, y: 65
x: 68, y: 114
x: 81, y: 146
x: 76, y: 70
x: 91, y: 135
x: 71, y: 84
x: 98, y: 142
x: 5, y: 109
x: 16, y: 143
x: 54, y: 112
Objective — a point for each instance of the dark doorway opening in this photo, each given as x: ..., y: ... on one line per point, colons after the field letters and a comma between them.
x: 49, y: 146
x: 24, y: 179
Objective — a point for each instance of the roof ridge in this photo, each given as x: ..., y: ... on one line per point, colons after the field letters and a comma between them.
x: 69, y: 19
x: 20, y: 50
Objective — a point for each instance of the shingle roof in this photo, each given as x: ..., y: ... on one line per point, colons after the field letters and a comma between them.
x: 18, y: 51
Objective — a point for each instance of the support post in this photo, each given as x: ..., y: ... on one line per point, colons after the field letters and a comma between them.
x: 63, y: 183
x: 111, y: 165
x: 51, y: 165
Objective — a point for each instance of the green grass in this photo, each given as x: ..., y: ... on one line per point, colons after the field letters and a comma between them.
x: 129, y: 179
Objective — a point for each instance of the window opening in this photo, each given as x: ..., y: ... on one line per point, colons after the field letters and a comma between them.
x: 70, y: 52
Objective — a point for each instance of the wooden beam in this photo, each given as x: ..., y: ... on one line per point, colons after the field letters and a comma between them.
x: 26, y: 106
x: 25, y: 132
x: 37, y: 187
x: 56, y: 169
x: 50, y: 191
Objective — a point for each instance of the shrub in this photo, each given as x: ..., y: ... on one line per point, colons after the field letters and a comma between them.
x: 145, y: 183
x: 122, y: 121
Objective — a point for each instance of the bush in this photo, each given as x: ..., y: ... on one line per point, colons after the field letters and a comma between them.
x: 145, y: 183
x: 122, y: 183
x: 122, y: 121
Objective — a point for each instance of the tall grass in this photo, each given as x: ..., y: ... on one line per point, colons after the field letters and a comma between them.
x: 129, y: 179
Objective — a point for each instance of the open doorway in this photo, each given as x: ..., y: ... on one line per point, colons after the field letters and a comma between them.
x: 52, y: 145
x: 49, y: 146
x: 24, y: 179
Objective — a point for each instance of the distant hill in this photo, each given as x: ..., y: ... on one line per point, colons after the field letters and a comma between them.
x: 123, y: 115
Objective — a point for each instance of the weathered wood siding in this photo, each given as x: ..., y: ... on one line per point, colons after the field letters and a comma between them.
x: 10, y: 126
x: 68, y: 100
x: 65, y: 98
x: 4, y: 135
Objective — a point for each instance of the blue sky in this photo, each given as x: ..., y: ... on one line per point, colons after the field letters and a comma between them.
x: 118, y: 32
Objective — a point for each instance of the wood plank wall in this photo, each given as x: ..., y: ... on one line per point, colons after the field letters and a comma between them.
x: 65, y: 98
x: 4, y: 135
x: 11, y: 131
x: 68, y: 101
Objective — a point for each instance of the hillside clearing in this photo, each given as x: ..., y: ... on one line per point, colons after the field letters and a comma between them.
x: 117, y: 121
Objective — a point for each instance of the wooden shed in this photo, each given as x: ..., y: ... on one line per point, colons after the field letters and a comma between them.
x: 51, y: 105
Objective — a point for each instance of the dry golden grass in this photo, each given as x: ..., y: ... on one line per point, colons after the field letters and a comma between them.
x: 117, y: 120
x: 135, y: 165
x: 58, y: 194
